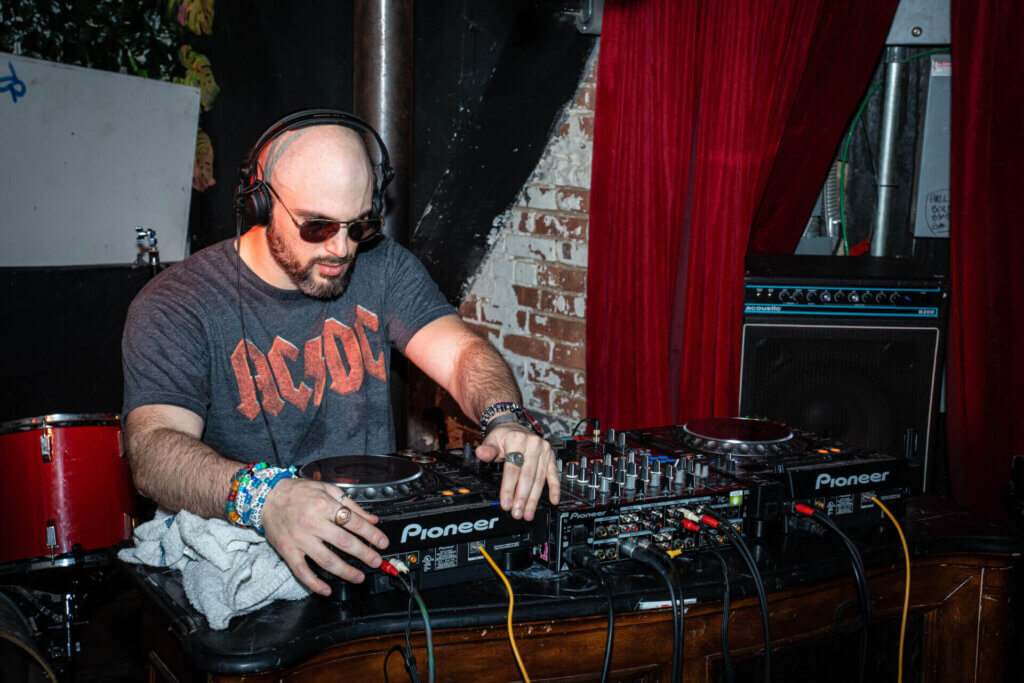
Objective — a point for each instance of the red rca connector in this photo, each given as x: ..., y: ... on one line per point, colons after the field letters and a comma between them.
x: 689, y: 526
x: 710, y: 521
x: 804, y: 510
x: 388, y: 568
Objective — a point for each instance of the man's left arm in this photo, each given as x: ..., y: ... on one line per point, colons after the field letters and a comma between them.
x: 473, y: 372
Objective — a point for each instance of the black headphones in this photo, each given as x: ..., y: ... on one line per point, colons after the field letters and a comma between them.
x: 253, y: 201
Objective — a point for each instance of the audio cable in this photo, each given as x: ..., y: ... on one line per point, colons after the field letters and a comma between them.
x: 860, y: 577
x: 511, y: 604
x: 629, y: 548
x: 730, y: 674
x: 906, y: 588
x: 581, y: 558
x: 709, y: 519
x: 398, y: 570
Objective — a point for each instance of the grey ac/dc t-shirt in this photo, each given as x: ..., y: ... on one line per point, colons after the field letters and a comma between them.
x: 319, y: 369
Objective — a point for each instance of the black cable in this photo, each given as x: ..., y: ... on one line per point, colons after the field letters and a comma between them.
x: 762, y: 597
x: 245, y: 337
x: 630, y: 549
x: 660, y: 556
x: 605, y: 669
x: 592, y: 420
x: 580, y: 557
x: 860, y: 580
x: 726, y: 652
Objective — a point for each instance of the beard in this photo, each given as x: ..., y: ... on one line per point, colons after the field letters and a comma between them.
x: 306, y: 276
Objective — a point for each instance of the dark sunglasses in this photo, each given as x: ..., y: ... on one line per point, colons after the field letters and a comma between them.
x: 321, y: 229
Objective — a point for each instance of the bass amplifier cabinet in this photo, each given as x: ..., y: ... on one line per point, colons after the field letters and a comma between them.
x: 850, y: 348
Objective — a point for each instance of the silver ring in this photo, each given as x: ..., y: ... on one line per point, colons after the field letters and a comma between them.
x: 342, y: 516
x: 516, y: 458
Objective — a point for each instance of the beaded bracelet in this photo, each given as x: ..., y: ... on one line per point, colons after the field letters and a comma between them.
x: 518, y: 414
x: 249, y: 489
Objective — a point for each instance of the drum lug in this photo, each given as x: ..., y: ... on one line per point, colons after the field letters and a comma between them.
x: 51, y: 538
x: 46, y: 444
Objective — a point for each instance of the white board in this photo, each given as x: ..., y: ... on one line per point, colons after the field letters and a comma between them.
x: 87, y: 155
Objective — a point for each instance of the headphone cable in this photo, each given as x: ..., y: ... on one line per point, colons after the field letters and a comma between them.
x: 245, y: 337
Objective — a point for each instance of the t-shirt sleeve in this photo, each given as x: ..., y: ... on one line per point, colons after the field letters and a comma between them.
x: 164, y: 354
x: 412, y: 298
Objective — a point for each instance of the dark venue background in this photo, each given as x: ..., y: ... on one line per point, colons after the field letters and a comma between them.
x: 490, y: 78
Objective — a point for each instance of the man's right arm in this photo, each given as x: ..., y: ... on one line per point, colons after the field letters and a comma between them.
x: 171, y: 465
x: 177, y: 470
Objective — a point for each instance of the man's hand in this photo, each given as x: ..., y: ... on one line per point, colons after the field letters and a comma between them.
x: 299, y: 519
x: 521, y: 487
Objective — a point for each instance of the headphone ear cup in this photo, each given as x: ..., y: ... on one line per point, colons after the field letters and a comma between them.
x: 256, y: 205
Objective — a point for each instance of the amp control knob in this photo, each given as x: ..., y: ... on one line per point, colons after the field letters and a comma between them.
x: 826, y: 297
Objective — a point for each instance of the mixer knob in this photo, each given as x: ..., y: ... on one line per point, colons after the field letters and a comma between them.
x: 630, y: 455
x: 572, y: 470
x: 606, y: 484
x: 630, y: 481
x: 607, y: 459
x: 609, y: 472
x: 620, y: 440
x: 620, y: 476
x: 583, y: 464
x: 631, y: 469
x: 592, y: 480
x: 655, y: 476
x: 645, y: 460
x: 611, y: 436
x: 670, y: 472
x: 559, y: 464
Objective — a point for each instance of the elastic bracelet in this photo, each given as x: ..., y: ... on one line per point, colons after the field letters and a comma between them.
x: 494, y: 410
x: 516, y: 413
x: 256, y: 511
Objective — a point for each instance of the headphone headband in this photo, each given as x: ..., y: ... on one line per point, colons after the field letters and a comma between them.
x: 253, y: 203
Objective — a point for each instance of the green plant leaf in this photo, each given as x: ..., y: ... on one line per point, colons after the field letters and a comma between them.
x: 199, y: 74
x: 202, y: 170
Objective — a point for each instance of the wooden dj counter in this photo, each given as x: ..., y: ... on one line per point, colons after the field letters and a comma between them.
x: 959, y: 608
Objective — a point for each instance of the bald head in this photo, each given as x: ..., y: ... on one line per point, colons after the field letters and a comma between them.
x: 320, y: 160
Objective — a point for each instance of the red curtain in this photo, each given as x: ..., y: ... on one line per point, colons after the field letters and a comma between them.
x: 693, y: 100
x: 985, y: 361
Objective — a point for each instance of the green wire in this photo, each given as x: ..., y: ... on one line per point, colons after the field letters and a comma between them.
x: 428, y: 632
x: 849, y: 137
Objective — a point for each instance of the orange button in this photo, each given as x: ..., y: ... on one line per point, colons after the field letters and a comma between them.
x: 822, y: 450
x: 447, y: 493
x: 463, y: 490
x: 834, y: 450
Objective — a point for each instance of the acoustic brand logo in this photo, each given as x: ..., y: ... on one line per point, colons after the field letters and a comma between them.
x: 340, y: 351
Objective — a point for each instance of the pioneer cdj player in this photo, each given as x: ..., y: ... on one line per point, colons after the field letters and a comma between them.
x: 434, y: 513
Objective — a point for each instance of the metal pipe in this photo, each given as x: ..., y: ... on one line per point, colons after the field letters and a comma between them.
x: 895, y: 65
x: 382, y: 93
x: 382, y: 96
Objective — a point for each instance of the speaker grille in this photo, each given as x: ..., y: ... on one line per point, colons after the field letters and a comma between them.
x: 867, y: 386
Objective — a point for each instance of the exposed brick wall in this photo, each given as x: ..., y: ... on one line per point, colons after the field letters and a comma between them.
x: 529, y: 296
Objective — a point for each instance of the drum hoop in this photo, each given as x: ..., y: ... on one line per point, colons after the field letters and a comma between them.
x: 60, y: 420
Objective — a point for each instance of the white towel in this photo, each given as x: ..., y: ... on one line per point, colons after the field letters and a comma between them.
x: 226, y: 570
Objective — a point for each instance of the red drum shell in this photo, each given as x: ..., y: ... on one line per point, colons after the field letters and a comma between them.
x: 85, y: 490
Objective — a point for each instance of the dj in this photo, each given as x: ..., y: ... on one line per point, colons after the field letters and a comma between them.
x: 279, y: 351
